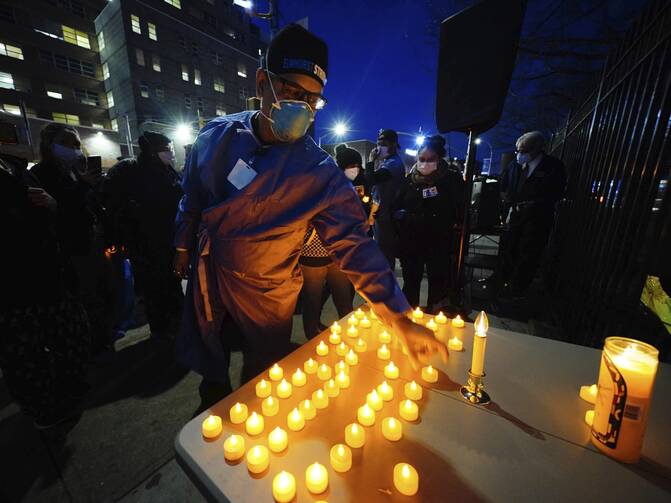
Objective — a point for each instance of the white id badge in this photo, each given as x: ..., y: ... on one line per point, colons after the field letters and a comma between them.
x: 241, y: 175
x: 429, y: 192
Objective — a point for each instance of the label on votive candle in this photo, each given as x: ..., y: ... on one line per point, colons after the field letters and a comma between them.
x: 612, y: 398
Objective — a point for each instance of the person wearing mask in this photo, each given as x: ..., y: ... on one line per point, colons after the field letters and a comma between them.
x: 530, y: 188
x: 385, y: 172
x: 428, y: 213
x: 253, y: 184
x: 141, y: 196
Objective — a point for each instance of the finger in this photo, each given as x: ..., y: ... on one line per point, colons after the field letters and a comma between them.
x: 442, y: 349
x: 412, y: 356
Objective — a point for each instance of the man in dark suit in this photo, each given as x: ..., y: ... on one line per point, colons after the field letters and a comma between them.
x: 530, y: 188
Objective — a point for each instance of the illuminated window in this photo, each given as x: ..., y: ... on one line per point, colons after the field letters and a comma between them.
x: 66, y: 118
x: 110, y: 99
x: 219, y: 86
x: 242, y: 70
x: 151, y: 28
x: 11, y: 50
x: 185, y: 73
x: 196, y: 77
x: 76, y: 37
x: 139, y: 57
x: 220, y: 110
x: 97, y: 126
x: 12, y: 109
x: 86, y: 97
x: 156, y: 63
x: 115, y: 124
x: 6, y: 81
x: 175, y: 3
x: 135, y: 24
x: 144, y: 90
x: 101, y: 41
x: 106, y: 71
x: 57, y: 95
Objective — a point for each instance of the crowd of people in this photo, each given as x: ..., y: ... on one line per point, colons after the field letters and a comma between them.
x: 258, y: 215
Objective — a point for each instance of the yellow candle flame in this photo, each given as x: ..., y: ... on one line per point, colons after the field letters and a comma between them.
x: 342, y: 375
x: 335, y: 325
x: 408, y: 404
x: 405, y: 471
x: 276, y: 367
x: 234, y: 440
x: 392, y: 423
x: 418, y: 311
x: 374, y: 396
x: 323, y: 367
x: 238, y: 407
x: 355, y: 429
x: 429, y: 370
x: 210, y: 420
x: 307, y: 404
x: 341, y: 451
x: 384, y: 386
x: 283, y: 481
x: 367, y: 410
x: 391, y: 366
x: 481, y: 323
x: 295, y: 414
x: 256, y: 451
x: 299, y: 373
x: 413, y: 385
x: 320, y: 394
x: 270, y: 400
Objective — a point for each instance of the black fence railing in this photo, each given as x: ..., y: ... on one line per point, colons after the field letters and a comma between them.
x: 617, y: 213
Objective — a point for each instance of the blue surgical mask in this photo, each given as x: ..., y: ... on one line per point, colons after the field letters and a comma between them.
x: 289, y: 119
x: 65, y: 154
x: 523, y: 158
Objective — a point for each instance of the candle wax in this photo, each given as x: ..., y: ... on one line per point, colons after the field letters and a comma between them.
x: 211, y: 427
x: 406, y: 479
x: 355, y: 435
x: 284, y: 487
x: 234, y: 447
x: 258, y: 459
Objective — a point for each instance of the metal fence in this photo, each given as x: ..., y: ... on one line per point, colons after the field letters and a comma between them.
x: 618, y: 207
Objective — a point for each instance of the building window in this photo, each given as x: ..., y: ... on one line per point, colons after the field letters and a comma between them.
x: 65, y: 118
x: 182, y: 43
x: 160, y: 94
x: 110, y: 99
x: 187, y: 101
x: 6, y: 14
x: 144, y: 90
x: 11, y: 50
x: 196, y: 77
x: 200, y: 105
x: 185, y: 73
x: 139, y: 57
x: 217, y: 58
x: 115, y: 124
x: 156, y: 63
x: 219, y: 86
x: 71, y: 65
x: 97, y: 126
x: 194, y: 48
x: 220, y: 110
x: 6, y: 81
x: 76, y: 37
x: 101, y: 41
x: 242, y: 93
x: 106, y: 71
x: 12, y: 109
x: 242, y: 70
x: 86, y: 97
x: 151, y: 28
x: 175, y: 3
x: 135, y: 24
x: 57, y: 95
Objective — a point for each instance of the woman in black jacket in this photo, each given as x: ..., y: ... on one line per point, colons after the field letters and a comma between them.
x: 428, y: 212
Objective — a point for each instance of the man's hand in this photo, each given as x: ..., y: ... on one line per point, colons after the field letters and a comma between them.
x: 39, y: 197
x: 373, y: 155
x: 419, y: 341
x: 180, y: 264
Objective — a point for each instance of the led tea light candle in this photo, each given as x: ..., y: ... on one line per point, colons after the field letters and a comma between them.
x: 331, y: 388
x: 458, y: 322
x: 298, y: 378
x: 278, y: 440
x: 258, y: 459
x: 355, y: 435
x: 360, y: 346
x: 343, y: 380
x: 211, y: 427
x: 234, y: 447
x: 341, y: 458
x: 432, y: 325
x: 324, y: 372
x: 352, y: 332
x: 334, y: 338
x: 263, y: 388
x: 626, y: 379
x: 295, y: 420
x: 455, y: 344
x: 406, y: 479
x: 276, y: 373
x: 316, y: 478
x: 310, y: 366
x: 270, y: 406
x: 392, y: 429
x: 391, y: 371
x: 385, y: 391
x: 351, y: 358
x: 384, y: 337
x: 352, y: 321
x: 417, y: 314
x: 588, y: 393
x: 341, y: 366
x: 360, y: 315
x: 408, y: 410
x: 238, y: 413
x: 413, y: 391
x: 254, y: 424
x: 589, y: 417
x: 284, y: 389
x: 336, y: 328
x: 383, y: 352
x: 365, y: 323
x: 441, y: 319
x: 320, y: 399
x: 429, y: 374
x: 374, y: 400
x: 284, y: 487
x: 309, y: 411
x: 322, y: 349
x: 366, y: 415
x: 342, y: 349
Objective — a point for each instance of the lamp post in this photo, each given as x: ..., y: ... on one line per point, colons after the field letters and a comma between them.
x: 491, y: 152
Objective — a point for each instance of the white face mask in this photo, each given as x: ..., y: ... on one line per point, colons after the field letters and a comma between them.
x: 351, y: 173
x: 426, y: 168
x: 167, y: 158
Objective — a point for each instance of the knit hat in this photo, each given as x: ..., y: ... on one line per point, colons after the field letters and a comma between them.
x: 346, y: 156
x: 388, y: 134
x: 435, y: 143
x: 295, y: 50
x: 152, y: 142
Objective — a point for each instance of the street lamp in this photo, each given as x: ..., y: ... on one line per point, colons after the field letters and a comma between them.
x: 339, y: 130
x: 478, y: 141
x: 183, y: 133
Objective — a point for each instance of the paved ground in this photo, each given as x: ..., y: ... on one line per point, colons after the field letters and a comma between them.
x: 121, y: 447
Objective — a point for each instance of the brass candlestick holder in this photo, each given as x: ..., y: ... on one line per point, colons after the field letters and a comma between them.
x: 474, y: 389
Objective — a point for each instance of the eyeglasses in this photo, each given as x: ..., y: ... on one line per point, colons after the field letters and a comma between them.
x: 293, y: 91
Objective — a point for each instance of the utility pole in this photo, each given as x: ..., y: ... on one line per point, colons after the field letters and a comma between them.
x: 129, y: 139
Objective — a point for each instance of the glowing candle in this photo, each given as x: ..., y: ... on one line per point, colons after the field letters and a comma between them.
x: 270, y: 406
x: 352, y: 321
x: 432, y: 325
x: 391, y: 371
x: 211, y: 427
x: 234, y: 447
x: 310, y: 366
x: 374, y: 400
x: 342, y: 349
x: 351, y: 358
x: 278, y: 440
x: 413, y: 391
x: 588, y: 393
x: 309, y: 411
x: 258, y: 459
x: 385, y: 391
x: 366, y: 415
x: 455, y: 344
x: 324, y: 372
x: 320, y: 399
x: 441, y: 319
x: 383, y: 352
x: 254, y: 424
x: 406, y: 479
x: 384, y: 337
x: 458, y: 322
x: 589, y: 417
x: 331, y: 388
x: 365, y: 323
x: 429, y: 374
x: 334, y: 338
x: 295, y: 420
x: 284, y: 487
x: 360, y: 314
x: 417, y: 314
x: 276, y: 373
x: 341, y: 366
x: 343, y: 380
x: 322, y: 349
x: 316, y: 478
x: 360, y: 345
x: 263, y: 388
x: 238, y: 413
x: 479, y: 344
x: 284, y: 389
x: 352, y: 332
x: 336, y: 328
x: 355, y: 435
x: 392, y: 429
x: 341, y: 458
x: 408, y: 410
x: 298, y: 378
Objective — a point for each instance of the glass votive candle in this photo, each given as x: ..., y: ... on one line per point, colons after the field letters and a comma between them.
x: 270, y: 406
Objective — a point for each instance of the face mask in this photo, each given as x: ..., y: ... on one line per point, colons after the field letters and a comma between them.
x: 68, y: 156
x: 426, y: 168
x: 382, y: 152
x: 167, y: 158
x: 352, y: 173
x: 523, y: 158
x: 289, y: 119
